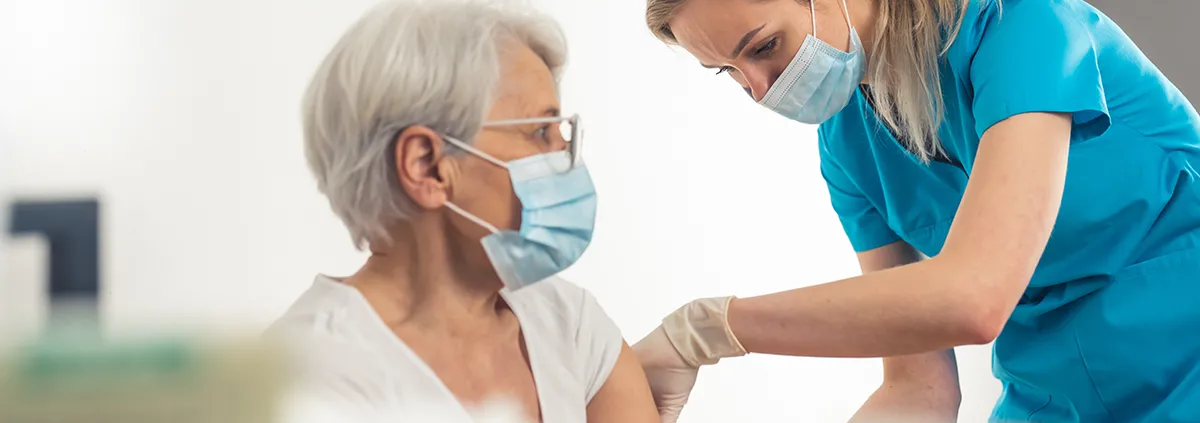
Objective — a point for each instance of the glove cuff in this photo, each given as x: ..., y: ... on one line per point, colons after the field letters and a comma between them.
x: 700, y: 332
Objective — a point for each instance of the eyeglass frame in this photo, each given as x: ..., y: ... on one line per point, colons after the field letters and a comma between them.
x: 573, y: 145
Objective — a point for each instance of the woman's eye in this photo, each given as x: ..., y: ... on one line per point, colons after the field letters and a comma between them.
x: 543, y: 133
x: 767, y: 48
x: 724, y: 69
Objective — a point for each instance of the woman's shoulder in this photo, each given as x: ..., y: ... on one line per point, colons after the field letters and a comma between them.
x: 561, y: 316
x: 1029, y: 26
x: 325, y: 312
x: 567, y: 317
x: 1021, y: 24
x: 556, y: 302
x: 553, y: 291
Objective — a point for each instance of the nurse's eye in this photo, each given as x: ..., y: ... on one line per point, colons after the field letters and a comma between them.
x: 724, y: 69
x: 767, y: 48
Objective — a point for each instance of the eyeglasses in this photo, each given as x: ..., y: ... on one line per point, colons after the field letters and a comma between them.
x: 569, y: 129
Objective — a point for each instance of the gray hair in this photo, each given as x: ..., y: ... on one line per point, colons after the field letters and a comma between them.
x: 433, y: 63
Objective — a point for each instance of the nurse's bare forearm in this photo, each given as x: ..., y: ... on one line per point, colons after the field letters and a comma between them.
x: 904, y: 310
x: 962, y: 296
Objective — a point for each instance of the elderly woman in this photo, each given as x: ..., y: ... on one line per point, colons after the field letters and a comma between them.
x: 433, y: 128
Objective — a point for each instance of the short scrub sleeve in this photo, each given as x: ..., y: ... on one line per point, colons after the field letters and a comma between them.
x: 1038, y: 56
x: 866, y: 227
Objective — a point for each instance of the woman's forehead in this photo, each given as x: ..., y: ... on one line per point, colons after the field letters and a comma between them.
x: 712, y: 32
x: 527, y: 88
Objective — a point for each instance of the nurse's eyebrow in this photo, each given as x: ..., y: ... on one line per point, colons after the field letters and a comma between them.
x: 737, y: 50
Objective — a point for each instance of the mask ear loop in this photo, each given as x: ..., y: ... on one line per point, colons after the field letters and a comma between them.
x: 475, y: 151
x: 846, y: 11
x: 812, y: 11
x: 454, y: 207
x: 812, y: 8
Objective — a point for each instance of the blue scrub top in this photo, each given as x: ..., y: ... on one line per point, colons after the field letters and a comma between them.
x: 1106, y: 330
x: 1130, y: 195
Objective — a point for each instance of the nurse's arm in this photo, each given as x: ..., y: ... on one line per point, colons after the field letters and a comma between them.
x: 918, y: 387
x: 962, y: 296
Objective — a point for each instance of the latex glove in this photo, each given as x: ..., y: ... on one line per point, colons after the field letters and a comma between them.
x: 694, y: 335
x: 671, y: 379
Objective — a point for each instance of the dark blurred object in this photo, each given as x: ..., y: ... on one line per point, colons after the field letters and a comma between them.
x: 72, y: 229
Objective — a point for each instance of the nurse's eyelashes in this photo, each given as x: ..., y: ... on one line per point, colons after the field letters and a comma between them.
x: 764, y: 51
x: 767, y: 49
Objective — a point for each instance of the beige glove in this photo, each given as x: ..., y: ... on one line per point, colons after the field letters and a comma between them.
x: 671, y: 379
x: 699, y: 331
x: 694, y: 335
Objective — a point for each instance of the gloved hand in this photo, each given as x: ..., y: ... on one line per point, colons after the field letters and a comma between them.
x: 694, y: 335
x: 671, y: 379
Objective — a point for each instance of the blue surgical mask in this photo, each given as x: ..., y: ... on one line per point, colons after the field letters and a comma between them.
x: 558, y: 213
x: 819, y: 81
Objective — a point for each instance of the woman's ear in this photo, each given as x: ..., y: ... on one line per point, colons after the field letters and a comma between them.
x: 419, y: 156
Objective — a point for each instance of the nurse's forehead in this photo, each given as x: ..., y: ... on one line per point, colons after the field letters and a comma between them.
x: 713, y: 37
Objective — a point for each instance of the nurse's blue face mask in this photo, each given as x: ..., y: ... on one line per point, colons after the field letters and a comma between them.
x: 558, y: 209
x: 820, y: 79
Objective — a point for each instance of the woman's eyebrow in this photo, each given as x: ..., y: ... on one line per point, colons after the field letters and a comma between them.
x: 737, y: 50
x: 741, y: 45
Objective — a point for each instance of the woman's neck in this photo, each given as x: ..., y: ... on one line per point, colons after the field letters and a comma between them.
x: 421, y: 282
x: 862, y: 16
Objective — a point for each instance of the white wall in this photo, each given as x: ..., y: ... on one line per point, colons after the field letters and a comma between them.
x: 183, y: 116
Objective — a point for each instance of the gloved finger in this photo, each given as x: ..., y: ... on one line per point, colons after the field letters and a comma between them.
x: 669, y: 415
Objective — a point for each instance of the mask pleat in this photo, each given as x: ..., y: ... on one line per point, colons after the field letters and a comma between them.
x: 558, y: 212
x: 551, y: 190
x: 819, y: 81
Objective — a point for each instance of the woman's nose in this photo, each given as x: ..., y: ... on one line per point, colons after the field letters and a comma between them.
x: 558, y: 142
x: 755, y: 82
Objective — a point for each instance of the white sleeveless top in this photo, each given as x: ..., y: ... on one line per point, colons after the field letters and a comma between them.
x: 357, y: 366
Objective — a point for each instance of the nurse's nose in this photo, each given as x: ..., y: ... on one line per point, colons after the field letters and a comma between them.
x: 755, y: 81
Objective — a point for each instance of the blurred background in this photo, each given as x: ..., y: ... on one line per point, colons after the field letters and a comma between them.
x: 151, y: 173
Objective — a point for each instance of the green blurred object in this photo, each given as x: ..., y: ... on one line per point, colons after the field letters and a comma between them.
x: 84, y: 380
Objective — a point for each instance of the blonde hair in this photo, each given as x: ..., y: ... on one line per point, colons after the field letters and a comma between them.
x: 910, y: 38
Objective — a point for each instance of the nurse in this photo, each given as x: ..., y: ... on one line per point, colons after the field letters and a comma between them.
x: 1030, y: 150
